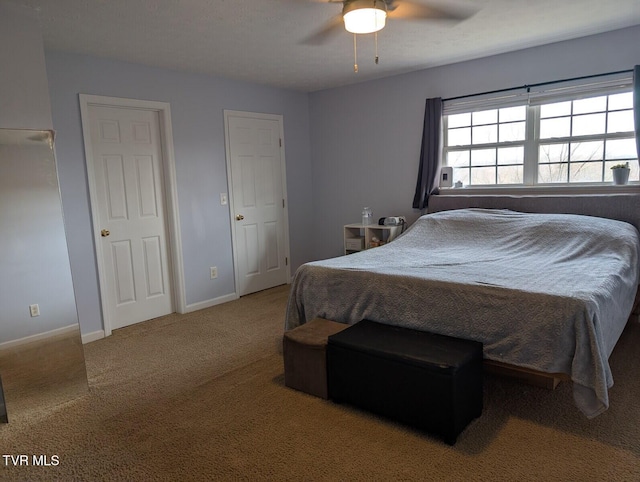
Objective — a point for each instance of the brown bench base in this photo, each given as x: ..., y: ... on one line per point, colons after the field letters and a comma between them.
x: 305, y: 356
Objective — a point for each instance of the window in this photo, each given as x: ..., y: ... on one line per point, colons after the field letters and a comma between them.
x: 487, y: 147
x: 546, y: 138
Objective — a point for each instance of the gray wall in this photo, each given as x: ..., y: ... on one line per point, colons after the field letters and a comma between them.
x: 24, y: 94
x: 34, y: 262
x: 197, y: 104
x: 365, y: 138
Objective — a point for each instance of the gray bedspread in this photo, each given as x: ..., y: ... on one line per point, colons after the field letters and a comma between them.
x: 550, y: 292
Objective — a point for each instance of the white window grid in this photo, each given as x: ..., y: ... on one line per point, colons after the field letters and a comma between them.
x: 485, y: 147
x: 532, y: 144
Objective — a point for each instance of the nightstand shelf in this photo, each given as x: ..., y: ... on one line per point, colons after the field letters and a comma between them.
x: 358, y: 237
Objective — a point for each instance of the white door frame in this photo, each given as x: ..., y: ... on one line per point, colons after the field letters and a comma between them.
x: 174, y: 243
x: 280, y: 120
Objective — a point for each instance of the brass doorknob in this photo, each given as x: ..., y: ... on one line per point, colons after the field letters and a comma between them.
x: 239, y: 217
x: 105, y: 232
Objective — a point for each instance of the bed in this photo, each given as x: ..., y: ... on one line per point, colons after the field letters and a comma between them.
x: 546, y: 292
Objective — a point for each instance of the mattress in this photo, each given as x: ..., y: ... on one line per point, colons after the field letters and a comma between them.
x: 548, y: 292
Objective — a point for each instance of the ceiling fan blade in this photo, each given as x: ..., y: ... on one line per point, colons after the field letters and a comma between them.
x: 406, y: 9
x: 332, y: 27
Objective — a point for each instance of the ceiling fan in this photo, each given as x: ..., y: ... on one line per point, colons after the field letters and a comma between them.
x: 370, y: 16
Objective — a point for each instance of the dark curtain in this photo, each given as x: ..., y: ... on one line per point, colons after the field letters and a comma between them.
x: 430, y: 153
x: 636, y: 106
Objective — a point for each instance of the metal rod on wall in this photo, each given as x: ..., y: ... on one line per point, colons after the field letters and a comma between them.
x: 539, y: 84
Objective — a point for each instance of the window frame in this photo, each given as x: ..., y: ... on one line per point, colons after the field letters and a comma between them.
x: 532, y: 142
x: 489, y: 145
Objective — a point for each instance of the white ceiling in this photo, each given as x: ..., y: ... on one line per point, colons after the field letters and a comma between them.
x: 264, y: 40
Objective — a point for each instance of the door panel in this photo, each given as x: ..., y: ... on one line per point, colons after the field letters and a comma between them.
x: 252, y: 249
x: 248, y: 194
x: 116, y: 197
x: 123, y: 272
x: 153, y: 266
x: 256, y: 166
x: 130, y: 206
x: 147, y: 187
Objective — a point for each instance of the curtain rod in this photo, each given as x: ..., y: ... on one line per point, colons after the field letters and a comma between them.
x: 528, y: 86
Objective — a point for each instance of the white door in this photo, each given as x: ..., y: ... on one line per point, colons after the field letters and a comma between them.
x: 128, y: 179
x: 256, y: 163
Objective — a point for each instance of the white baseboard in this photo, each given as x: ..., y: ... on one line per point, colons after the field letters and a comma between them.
x: 209, y: 303
x: 39, y: 336
x: 93, y: 336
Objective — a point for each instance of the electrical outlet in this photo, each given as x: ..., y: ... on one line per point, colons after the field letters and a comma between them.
x: 214, y: 272
x: 34, y: 310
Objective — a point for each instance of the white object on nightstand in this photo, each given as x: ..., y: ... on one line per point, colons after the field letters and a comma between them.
x: 446, y: 176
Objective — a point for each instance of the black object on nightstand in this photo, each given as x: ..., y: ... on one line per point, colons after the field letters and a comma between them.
x: 429, y: 381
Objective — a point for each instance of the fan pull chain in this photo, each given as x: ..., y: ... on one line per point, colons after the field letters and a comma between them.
x: 375, y: 34
x: 355, y: 54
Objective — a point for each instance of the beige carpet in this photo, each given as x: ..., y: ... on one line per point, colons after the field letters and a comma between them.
x: 201, y: 397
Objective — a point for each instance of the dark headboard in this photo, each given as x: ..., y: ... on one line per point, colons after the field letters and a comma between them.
x: 623, y: 207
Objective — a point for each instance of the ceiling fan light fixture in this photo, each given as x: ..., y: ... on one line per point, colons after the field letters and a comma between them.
x: 364, y: 16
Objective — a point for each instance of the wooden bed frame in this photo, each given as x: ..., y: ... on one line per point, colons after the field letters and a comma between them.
x: 621, y: 207
x: 526, y: 375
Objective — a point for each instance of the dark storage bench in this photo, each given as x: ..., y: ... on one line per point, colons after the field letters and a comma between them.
x: 432, y: 382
